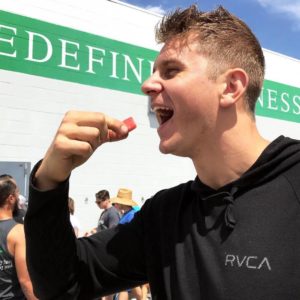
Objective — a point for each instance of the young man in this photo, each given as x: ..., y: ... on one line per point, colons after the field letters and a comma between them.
x: 110, y: 216
x: 127, y: 208
x: 232, y: 233
x: 14, y: 278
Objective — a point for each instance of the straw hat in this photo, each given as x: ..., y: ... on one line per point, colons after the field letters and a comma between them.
x: 124, y: 197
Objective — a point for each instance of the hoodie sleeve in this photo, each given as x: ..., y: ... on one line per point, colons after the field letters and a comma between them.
x: 63, y: 267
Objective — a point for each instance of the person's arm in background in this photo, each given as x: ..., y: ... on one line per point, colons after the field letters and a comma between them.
x: 17, y: 247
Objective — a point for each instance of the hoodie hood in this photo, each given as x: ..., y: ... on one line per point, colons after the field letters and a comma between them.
x: 278, y: 157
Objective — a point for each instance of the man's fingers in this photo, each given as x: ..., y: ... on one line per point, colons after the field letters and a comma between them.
x: 114, y: 136
x: 117, y: 130
x: 69, y: 147
x: 92, y: 135
x: 78, y: 136
x: 124, y: 130
x: 84, y: 118
x: 110, y: 129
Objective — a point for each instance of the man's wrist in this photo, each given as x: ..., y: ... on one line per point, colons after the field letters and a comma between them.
x: 43, y: 182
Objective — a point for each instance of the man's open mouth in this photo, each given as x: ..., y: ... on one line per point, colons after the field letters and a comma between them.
x: 163, y: 114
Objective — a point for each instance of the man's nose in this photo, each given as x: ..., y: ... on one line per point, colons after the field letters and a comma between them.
x: 152, y: 85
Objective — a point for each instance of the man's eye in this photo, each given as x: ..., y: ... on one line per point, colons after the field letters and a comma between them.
x: 170, y: 72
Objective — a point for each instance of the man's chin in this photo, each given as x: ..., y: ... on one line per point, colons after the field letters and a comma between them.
x: 163, y: 148
x: 172, y: 149
x: 167, y: 148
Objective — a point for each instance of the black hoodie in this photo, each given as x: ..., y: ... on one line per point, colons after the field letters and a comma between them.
x: 240, y: 242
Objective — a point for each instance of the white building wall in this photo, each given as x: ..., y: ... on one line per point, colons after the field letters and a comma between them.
x: 31, y: 107
x: 112, y: 19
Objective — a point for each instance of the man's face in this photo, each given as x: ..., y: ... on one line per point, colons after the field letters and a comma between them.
x: 184, y: 99
x: 15, y: 204
x: 118, y: 207
x: 102, y: 203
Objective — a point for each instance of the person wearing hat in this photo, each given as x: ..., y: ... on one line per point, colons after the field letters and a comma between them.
x: 128, y: 207
x: 125, y: 205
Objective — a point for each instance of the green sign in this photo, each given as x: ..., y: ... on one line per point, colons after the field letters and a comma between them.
x: 279, y: 101
x: 34, y: 47
x: 39, y: 48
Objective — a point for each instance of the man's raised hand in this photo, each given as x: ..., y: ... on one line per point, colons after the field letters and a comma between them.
x: 77, y: 138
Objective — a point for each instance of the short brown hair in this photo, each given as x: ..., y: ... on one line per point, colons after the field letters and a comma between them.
x: 102, y: 195
x: 7, y: 187
x: 224, y: 39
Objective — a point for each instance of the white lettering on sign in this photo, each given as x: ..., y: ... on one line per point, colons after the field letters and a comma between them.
x: 272, y: 100
x: 114, y: 64
x: 70, y: 55
x: 65, y: 53
x: 92, y: 59
x: 283, y: 101
x: 31, y: 39
x: 9, y: 41
x: 296, y: 102
x: 137, y: 73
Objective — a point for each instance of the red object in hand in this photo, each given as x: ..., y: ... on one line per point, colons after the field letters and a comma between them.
x: 129, y: 122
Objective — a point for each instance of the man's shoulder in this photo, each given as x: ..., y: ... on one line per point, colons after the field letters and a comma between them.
x: 112, y: 211
x: 9, y: 224
x: 171, y: 196
x: 17, y: 231
x: 15, y: 237
x: 293, y: 177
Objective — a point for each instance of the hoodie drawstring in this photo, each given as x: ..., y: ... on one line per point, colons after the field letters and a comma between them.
x: 228, y: 213
x: 228, y: 199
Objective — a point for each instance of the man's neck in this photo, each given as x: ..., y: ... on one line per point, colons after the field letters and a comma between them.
x: 228, y: 158
x: 108, y: 206
x: 5, y: 213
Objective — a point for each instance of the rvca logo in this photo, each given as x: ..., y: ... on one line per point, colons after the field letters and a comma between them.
x: 249, y: 262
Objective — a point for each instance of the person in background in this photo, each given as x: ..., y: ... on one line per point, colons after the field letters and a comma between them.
x: 232, y: 232
x: 19, y: 210
x: 15, y: 282
x: 110, y: 216
x: 73, y: 219
x: 127, y: 207
x: 23, y: 202
x: 19, y: 214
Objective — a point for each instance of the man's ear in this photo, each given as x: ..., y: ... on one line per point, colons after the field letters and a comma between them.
x: 235, y: 83
x: 10, y: 199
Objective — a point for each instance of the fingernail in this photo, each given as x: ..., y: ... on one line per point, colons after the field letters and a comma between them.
x: 124, y: 129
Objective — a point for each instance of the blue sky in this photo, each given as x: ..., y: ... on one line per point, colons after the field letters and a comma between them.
x: 276, y: 23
